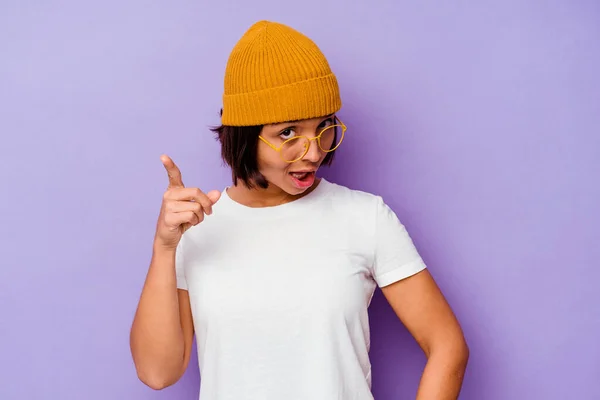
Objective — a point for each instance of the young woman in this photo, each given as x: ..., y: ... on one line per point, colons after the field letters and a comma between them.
x: 275, y: 273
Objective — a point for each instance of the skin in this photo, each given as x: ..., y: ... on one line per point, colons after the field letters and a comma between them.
x: 162, y: 331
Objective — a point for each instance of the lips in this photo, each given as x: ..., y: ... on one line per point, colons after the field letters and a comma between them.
x: 303, y: 171
x: 303, y: 179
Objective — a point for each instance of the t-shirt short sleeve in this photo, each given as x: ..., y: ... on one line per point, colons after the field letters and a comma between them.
x: 179, y: 265
x: 396, y: 256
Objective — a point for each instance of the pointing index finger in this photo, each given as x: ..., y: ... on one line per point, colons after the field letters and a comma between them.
x: 172, y: 171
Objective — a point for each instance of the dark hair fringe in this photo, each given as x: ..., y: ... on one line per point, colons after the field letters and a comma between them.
x: 239, y: 145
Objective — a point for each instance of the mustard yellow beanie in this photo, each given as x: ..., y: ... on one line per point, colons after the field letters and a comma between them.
x: 277, y: 74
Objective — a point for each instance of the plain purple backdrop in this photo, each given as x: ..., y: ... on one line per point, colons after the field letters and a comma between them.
x: 478, y: 123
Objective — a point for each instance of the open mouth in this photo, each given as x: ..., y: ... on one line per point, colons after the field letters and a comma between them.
x: 302, y: 180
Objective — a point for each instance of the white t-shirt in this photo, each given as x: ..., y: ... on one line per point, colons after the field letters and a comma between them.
x: 279, y: 295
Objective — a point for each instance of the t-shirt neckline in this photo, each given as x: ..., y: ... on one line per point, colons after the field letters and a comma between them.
x: 233, y: 207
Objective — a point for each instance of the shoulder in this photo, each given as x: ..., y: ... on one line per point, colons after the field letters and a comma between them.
x: 368, y: 209
x: 354, y: 199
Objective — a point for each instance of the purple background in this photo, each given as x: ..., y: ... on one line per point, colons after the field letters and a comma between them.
x: 479, y: 124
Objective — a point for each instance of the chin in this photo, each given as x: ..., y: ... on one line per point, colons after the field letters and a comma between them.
x: 294, y: 191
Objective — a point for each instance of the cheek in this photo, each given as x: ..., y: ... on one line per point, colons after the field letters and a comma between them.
x: 269, y: 161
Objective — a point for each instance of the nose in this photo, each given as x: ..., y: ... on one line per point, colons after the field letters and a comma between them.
x: 314, y: 152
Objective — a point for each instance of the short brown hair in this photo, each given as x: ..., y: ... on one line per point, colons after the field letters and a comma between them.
x: 239, y: 145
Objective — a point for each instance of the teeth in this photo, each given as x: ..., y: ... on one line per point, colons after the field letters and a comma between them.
x: 300, y: 175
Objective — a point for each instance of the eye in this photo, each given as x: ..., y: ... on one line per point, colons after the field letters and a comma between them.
x: 287, y: 133
x: 326, y: 123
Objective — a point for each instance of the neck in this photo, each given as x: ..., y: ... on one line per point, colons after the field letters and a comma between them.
x: 269, y: 197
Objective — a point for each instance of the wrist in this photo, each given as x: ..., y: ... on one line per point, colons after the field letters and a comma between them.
x: 161, y: 249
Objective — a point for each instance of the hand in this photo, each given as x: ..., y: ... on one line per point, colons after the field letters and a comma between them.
x: 181, y: 208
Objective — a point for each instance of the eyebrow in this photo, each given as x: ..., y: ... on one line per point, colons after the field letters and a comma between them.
x: 298, y: 120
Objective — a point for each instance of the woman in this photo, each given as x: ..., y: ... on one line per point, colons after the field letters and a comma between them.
x: 274, y: 274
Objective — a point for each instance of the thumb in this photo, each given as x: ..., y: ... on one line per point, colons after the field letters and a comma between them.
x: 214, y: 195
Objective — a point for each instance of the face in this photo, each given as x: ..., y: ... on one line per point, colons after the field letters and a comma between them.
x: 296, y: 177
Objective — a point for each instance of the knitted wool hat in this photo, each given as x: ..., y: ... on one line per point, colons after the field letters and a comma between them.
x: 276, y: 74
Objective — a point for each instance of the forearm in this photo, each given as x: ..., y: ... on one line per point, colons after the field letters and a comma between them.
x: 443, y: 374
x: 157, y: 342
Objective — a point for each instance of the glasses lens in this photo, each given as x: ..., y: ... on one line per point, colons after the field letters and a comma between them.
x: 294, y: 149
x: 331, y: 138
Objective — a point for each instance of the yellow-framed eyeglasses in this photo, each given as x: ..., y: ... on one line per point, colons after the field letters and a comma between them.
x: 295, y: 148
